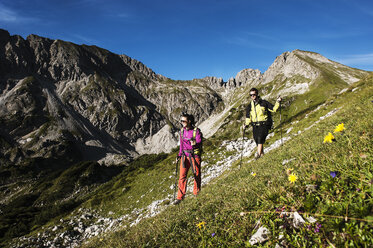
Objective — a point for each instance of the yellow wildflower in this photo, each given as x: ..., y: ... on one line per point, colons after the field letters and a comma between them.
x: 201, y: 224
x: 339, y: 128
x: 292, y: 178
x: 253, y: 174
x: 329, y: 138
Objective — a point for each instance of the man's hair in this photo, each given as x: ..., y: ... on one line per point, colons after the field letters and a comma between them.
x: 255, y: 89
x: 189, y: 118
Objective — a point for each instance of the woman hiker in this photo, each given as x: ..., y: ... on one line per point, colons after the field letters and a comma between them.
x: 190, y: 156
x: 258, y: 114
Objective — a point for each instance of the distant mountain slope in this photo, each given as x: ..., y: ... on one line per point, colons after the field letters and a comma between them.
x: 53, y: 91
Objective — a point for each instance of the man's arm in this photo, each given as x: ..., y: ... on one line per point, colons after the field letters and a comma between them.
x: 272, y: 108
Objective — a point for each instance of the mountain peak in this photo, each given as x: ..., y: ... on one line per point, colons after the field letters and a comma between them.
x: 289, y: 64
x: 310, y: 65
x: 248, y: 76
x: 312, y: 55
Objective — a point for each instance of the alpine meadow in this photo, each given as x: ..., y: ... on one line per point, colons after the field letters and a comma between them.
x: 89, y: 141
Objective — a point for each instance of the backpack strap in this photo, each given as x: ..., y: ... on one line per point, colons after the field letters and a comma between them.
x: 182, y: 134
x: 254, y: 109
x: 197, y: 149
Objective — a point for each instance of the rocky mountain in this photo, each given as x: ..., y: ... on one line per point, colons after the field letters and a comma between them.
x: 298, y: 70
x: 54, y: 92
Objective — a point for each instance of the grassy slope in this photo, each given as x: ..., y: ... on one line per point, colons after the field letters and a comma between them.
x: 226, y: 203
x: 38, y: 201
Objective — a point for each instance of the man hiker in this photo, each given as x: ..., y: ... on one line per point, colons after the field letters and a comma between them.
x: 189, y: 155
x: 258, y: 114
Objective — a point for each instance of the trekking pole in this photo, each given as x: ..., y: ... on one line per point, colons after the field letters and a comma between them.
x: 243, y: 136
x: 177, y: 163
x: 280, y: 125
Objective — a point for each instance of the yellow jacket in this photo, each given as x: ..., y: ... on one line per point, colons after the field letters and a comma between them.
x: 260, y: 112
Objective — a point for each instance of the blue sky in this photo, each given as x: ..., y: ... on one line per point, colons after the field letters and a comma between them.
x: 186, y: 39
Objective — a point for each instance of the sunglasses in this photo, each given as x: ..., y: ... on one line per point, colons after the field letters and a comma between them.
x: 252, y: 94
x: 182, y: 121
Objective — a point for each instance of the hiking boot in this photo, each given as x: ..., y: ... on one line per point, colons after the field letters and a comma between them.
x: 256, y: 156
x: 176, y: 202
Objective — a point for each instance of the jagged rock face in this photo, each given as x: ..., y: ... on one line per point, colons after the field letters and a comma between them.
x: 294, y: 72
x: 140, y: 67
x: 310, y: 66
x: 23, y: 105
x: 56, y: 91
x: 248, y: 77
x: 214, y: 82
x: 171, y: 98
x: 244, y: 78
x: 287, y: 65
x: 231, y: 83
x: 347, y: 74
x: 115, y: 109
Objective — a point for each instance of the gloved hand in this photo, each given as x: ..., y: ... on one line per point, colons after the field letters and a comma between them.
x: 279, y: 99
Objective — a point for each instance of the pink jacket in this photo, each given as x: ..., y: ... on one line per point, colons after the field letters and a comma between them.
x: 185, y: 141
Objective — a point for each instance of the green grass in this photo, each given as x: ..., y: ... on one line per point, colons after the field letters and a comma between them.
x: 40, y: 201
x: 232, y: 204
x: 131, y: 183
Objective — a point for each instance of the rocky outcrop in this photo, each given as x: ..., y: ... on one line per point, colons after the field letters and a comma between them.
x: 308, y: 65
x: 140, y: 67
x: 248, y: 77
x: 347, y: 74
x: 294, y: 72
x: 171, y: 97
x: 57, y: 91
x: 231, y: 83
x: 287, y: 65
x: 214, y: 82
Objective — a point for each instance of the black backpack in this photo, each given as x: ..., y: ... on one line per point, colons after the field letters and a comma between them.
x: 269, y: 122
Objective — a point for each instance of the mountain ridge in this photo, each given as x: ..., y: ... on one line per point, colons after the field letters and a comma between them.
x: 70, y: 70
x: 81, y: 84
